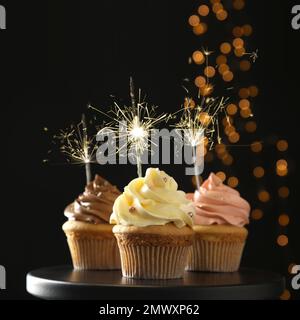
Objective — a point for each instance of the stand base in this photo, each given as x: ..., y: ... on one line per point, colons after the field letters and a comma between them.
x: 64, y: 283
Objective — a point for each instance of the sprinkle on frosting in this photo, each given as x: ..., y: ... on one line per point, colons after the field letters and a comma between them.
x: 156, y: 201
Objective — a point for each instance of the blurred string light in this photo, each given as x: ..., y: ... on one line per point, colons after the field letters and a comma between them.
x: 231, y: 58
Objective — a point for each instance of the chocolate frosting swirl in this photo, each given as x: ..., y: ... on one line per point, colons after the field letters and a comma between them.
x: 95, y: 204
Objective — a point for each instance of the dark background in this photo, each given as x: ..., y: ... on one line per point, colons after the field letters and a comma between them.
x: 56, y: 56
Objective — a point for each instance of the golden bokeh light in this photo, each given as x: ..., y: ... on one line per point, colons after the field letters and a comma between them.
x: 223, y: 68
x: 251, y: 126
x: 246, y: 113
x: 257, y: 214
x: 282, y: 145
x: 220, y: 148
x: 200, y: 29
x: 258, y: 172
x: 231, y: 109
x: 286, y: 295
x: 237, y: 32
x: 233, y: 182
x: 238, y: 4
x: 281, y: 164
x: 244, y: 93
x: 225, y: 47
x: 222, y: 15
x: 200, y: 82
x: 283, y: 192
x: 221, y: 175
x: 221, y: 59
x: 234, y: 137
x: 194, y: 20
x: 256, y: 146
x: 198, y: 57
x: 217, y: 6
x: 245, y: 65
x: 238, y: 43
x: 264, y: 196
x: 227, y: 160
x: 283, y: 220
x: 209, y: 71
x: 204, y: 118
x: 239, y: 52
x: 206, y: 90
x: 282, y: 240
x: 229, y: 129
x: 244, y: 104
x: 228, y: 76
x: 247, y: 30
x: 203, y: 10
x: 253, y: 91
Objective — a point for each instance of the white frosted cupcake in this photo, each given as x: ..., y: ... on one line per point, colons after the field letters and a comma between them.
x: 153, y: 227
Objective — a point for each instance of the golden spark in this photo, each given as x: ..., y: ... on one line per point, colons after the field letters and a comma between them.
x: 133, y: 125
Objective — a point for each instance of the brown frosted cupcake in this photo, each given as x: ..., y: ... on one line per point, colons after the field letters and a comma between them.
x: 220, y: 235
x: 153, y: 228
x: 89, y: 234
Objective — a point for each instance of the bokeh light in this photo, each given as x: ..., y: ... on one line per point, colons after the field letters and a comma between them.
x: 209, y: 71
x: 256, y: 146
x: 257, y: 214
x: 264, y: 196
x: 225, y: 47
x: 283, y: 192
x: 238, y: 4
x: 221, y: 175
x: 203, y: 10
x: 258, y: 172
x: 286, y: 295
x: 194, y: 20
x: 233, y: 182
x: 282, y: 240
x: 283, y: 220
x: 200, y: 82
x: 198, y: 57
x: 251, y: 126
x: 245, y: 65
x: 282, y: 145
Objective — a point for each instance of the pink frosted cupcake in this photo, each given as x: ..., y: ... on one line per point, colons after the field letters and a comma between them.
x: 220, y: 236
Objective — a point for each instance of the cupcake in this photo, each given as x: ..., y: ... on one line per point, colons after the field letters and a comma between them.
x: 153, y: 227
x: 89, y: 234
x: 220, y: 236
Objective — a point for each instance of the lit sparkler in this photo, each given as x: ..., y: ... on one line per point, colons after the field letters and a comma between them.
x: 138, y: 120
x: 200, y: 125
x: 77, y: 146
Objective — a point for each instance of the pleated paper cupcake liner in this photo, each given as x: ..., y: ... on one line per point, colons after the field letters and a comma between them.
x: 215, y: 256
x: 94, y: 254
x: 153, y: 262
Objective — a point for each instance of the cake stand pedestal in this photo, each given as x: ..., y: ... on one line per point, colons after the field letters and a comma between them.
x: 63, y: 283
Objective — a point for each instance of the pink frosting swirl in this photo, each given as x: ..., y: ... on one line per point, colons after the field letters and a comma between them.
x: 216, y: 203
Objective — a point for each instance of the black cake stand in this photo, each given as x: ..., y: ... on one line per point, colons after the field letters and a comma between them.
x: 62, y: 282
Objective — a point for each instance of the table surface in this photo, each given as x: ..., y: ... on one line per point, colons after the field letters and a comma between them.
x: 62, y: 282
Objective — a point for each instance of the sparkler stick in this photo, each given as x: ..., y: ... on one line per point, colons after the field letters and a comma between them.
x: 88, y: 170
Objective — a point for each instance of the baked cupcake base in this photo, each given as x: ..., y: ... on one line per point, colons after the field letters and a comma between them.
x: 92, y: 246
x: 154, y: 252
x: 217, y: 248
